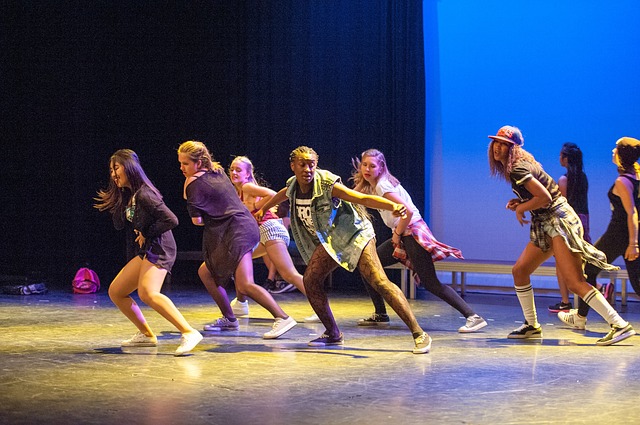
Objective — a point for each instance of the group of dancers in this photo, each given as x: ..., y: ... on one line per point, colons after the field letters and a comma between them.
x: 331, y: 228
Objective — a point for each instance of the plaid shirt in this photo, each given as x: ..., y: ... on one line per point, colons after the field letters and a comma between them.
x: 422, y: 234
x: 559, y: 219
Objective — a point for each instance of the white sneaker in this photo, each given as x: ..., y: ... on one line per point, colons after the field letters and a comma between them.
x: 312, y: 319
x: 474, y: 323
x: 573, y: 319
x: 240, y: 308
x: 187, y: 342
x: 222, y: 324
x: 140, y: 340
x: 280, y: 326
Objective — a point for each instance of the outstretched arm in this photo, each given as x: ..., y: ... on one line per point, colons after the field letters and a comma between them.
x: 276, y: 199
x: 369, y: 201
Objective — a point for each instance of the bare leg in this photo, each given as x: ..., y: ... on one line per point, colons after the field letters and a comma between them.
x: 246, y: 285
x: 149, y: 284
x: 218, y: 293
x: 569, y: 264
x: 529, y: 260
x: 120, y: 289
x: 279, y: 255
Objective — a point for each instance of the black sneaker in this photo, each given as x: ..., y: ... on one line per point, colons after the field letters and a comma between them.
x: 282, y: 287
x: 557, y: 308
x: 375, y: 320
x: 269, y: 284
x: 526, y: 331
x: 617, y: 334
x: 326, y: 340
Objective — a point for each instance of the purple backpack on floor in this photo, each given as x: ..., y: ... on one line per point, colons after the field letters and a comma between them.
x: 86, y: 281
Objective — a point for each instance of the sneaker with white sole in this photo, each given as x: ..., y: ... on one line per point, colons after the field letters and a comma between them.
x: 280, y: 327
x: 617, y: 334
x: 423, y: 344
x: 325, y: 340
x: 188, y: 341
x: 281, y: 287
x: 474, y: 323
x: 140, y: 340
x: 573, y: 319
x: 222, y: 324
x: 240, y: 308
x: 526, y: 331
x: 375, y: 320
x: 312, y: 319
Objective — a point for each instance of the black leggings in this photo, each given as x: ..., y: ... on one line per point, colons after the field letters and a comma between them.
x: 613, y: 243
x: 426, y: 271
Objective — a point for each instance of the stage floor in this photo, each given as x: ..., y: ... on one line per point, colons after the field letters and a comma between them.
x: 62, y: 363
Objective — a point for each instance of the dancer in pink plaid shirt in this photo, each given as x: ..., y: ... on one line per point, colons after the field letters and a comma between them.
x: 412, y: 243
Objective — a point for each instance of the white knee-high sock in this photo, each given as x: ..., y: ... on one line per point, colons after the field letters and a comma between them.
x: 525, y: 296
x: 599, y: 303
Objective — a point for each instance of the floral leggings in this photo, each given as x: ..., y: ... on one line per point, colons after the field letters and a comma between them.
x: 322, y: 264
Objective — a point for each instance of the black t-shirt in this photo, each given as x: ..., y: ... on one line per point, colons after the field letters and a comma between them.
x: 524, y: 171
x: 302, y: 210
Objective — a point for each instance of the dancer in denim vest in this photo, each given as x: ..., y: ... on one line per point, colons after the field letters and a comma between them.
x: 555, y: 230
x: 331, y: 229
x: 621, y: 236
x: 412, y: 242
x: 274, y: 236
x: 229, y: 237
x: 136, y: 206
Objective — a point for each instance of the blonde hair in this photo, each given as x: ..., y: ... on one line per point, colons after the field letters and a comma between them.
x: 628, y: 153
x: 197, y: 151
x: 516, y: 154
x: 360, y: 183
x: 249, y: 167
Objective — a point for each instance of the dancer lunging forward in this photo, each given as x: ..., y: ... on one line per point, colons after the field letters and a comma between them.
x: 331, y: 231
x: 555, y: 230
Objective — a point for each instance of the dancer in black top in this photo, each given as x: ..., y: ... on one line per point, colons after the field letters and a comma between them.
x: 136, y: 205
x: 621, y: 236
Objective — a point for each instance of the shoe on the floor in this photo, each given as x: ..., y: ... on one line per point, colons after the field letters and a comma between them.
x: 526, y: 331
x: 222, y: 324
x: 423, y: 344
x: 474, y: 323
x: 556, y: 308
x: 609, y: 292
x: 140, y: 340
x: 312, y: 319
x: 375, y: 320
x: 617, y: 334
x: 573, y: 319
x: 269, y: 284
x: 240, y: 308
x: 280, y: 326
x: 281, y: 287
x: 325, y: 340
x: 187, y: 342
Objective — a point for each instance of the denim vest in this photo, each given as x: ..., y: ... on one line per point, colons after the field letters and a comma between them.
x: 340, y: 229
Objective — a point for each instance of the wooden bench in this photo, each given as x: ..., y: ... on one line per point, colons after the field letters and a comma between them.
x: 462, y: 267
x: 459, y: 270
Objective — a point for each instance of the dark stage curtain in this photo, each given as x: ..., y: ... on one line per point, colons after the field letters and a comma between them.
x: 258, y: 78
